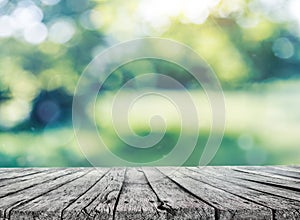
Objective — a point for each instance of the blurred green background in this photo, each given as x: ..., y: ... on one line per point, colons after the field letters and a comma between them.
x: 252, y: 45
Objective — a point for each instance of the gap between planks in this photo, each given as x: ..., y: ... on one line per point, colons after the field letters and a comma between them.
x: 135, y: 193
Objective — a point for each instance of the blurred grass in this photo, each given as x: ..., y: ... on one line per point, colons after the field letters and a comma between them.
x: 36, y: 151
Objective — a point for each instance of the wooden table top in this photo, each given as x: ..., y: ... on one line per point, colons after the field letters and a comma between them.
x: 269, y: 192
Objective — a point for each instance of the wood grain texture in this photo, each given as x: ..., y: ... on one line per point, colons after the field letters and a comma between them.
x: 24, y: 194
x: 270, y: 192
x: 277, y: 171
x: 16, y: 173
x: 271, y: 179
x: 51, y: 204
x: 281, y: 207
x: 227, y: 174
x: 286, y: 168
x: 228, y: 205
x: 99, y: 201
x: 137, y: 200
x: 24, y: 178
x: 175, y: 201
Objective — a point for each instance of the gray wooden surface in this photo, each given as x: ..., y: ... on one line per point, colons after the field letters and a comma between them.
x: 269, y: 192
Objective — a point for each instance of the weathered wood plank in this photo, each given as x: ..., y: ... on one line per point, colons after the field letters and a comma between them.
x: 99, y: 201
x: 228, y: 206
x: 271, y: 192
x: 282, y: 207
x: 23, y: 196
x: 10, y: 181
x: 270, y: 179
x: 20, y: 173
x: 51, y: 204
x: 276, y: 171
x: 19, y: 186
x: 288, y: 168
x: 264, y: 173
x: 13, y: 169
x: 176, y: 203
x: 238, y: 178
x: 295, y: 166
x: 137, y: 200
x: 5, y: 170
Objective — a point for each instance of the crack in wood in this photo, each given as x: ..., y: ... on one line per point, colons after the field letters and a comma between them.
x: 213, y: 185
x: 89, y: 188
x: 292, y: 206
x: 8, y: 215
x: 165, y: 207
x: 268, y: 175
x: 273, y: 184
x: 246, y: 186
x: 33, y: 185
x: 161, y: 204
x: 151, y: 193
x: 118, y: 197
x: 215, y: 209
x: 277, y: 171
x: 15, y: 177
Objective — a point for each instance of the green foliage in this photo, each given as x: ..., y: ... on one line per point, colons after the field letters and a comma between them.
x: 46, y: 45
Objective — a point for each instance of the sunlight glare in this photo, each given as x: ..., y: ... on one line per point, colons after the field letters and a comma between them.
x: 193, y: 10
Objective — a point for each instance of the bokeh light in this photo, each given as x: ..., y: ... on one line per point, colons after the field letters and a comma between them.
x: 61, y: 31
x: 253, y: 46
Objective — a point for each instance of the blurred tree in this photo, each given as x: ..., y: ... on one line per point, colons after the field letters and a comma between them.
x: 51, y: 109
